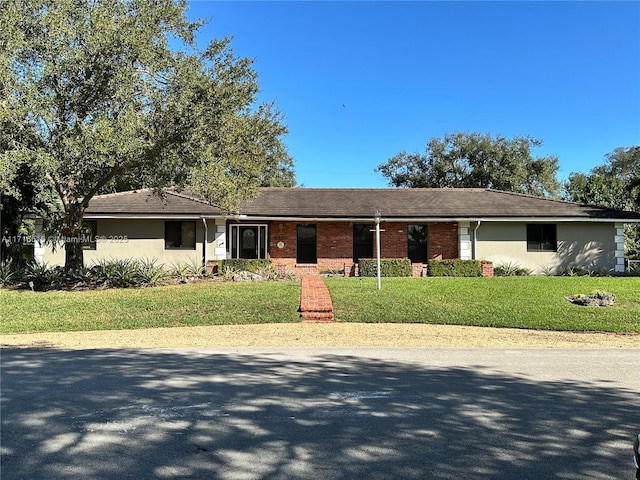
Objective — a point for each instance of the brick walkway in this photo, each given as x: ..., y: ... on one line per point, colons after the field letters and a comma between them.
x: 315, y: 301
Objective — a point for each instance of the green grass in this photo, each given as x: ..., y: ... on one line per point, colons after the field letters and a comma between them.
x: 179, y: 305
x: 518, y: 302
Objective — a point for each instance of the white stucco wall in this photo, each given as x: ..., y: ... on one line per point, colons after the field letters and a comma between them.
x: 588, y: 245
x: 132, y: 238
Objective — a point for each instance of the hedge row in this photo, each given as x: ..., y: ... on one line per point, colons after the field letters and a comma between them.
x: 389, y: 267
x: 401, y: 267
x: 454, y: 268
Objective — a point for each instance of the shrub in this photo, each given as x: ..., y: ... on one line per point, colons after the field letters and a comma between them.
x: 8, y: 273
x: 288, y: 274
x: 332, y: 272
x: 389, y: 267
x: 119, y: 272
x: 127, y: 272
x: 548, y: 270
x: 191, y: 269
x: 511, y: 269
x: 43, y: 276
x: 149, y: 273
x: 572, y: 271
x: 268, y: 272
x: 455, y: 268
x: 245, y: 264
x: 634, y: 271
x: 179, y: 270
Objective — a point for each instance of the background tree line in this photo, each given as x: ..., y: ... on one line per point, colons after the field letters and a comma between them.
x: 473, y: 160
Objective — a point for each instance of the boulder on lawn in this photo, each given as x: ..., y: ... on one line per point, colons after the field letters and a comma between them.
x: 595, y: 300
x: 245, y: 276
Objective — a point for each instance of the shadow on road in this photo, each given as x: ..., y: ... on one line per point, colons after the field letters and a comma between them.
x: 107, y: 414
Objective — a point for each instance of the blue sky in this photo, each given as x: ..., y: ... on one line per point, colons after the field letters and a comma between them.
x: 358, y: 82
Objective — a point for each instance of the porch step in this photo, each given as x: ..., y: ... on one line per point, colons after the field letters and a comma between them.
x: 315, y: 301
x: 316, y: 317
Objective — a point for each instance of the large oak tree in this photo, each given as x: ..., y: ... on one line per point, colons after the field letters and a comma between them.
x: 100, y: 93
x: 472, y: 160
x: 614, y: 184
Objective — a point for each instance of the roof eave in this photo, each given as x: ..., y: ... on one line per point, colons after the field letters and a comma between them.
x: 392, y: 219
x: 149, y: 216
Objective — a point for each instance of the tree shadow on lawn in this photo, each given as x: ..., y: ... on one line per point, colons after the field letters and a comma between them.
x: 113, y: 414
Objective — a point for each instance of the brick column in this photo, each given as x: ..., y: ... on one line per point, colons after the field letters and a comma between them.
x: 487, y: 269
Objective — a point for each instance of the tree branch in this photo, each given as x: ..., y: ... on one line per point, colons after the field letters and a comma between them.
x: 61, y: 193
x: 106, y: 179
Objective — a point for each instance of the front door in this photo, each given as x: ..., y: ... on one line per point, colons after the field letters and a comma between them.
x: 249, y: 242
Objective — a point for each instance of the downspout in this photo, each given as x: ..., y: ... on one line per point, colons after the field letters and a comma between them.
x: 204, y: 245
x: 475, y: 231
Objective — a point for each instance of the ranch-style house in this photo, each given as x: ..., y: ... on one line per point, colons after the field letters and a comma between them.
x: 312, y: 230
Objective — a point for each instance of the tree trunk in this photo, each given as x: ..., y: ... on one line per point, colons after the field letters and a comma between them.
x: 73, y: 258
x: 74, y: 255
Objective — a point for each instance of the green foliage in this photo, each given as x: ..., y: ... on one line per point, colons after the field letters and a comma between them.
x: 572, y: 271
x: 288, y: 275
x: 518, y: 302
x: 180, y: 270
x: 510, y: 269
x: 8, y: 273
x: 43, y: 276
x: 333, y: 272
x: 252, y: 265
x: 455, y: 268
x: 534, y: 302
x: 18, y: 207
x: 548, y: 270
x: 262, y: 267
x: 634, y: 271
x: 193, y: 304
x: 578, y: 271
x: 127, y: 272
x: 598, y: 188
x: 150, y: 273
x: 615, y: 184
x: 96, y: 96
x: 472, y: 160
x: 119, y: 272
x: 389, y: 267
x: 191, y: 269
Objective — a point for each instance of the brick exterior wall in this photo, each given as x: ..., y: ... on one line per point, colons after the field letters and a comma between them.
x: 442, y: 243
x: 335, y: 245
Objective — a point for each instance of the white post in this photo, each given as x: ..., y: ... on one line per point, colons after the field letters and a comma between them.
x: 619, y: 251
x: 376, y: 217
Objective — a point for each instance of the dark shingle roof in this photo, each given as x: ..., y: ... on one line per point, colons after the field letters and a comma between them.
x: 362, y: 203
x: 143, y: 202
x: 416, y: 202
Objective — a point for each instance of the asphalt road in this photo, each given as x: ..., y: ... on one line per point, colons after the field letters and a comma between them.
x: 411, y: 413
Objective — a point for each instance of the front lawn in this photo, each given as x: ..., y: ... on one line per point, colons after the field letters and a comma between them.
x: 519, y: 302
x: 172, y: 306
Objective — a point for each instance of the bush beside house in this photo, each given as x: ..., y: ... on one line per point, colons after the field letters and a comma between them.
x: 457, y: 268
x: 402, y: 267
x: 389, y: 267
